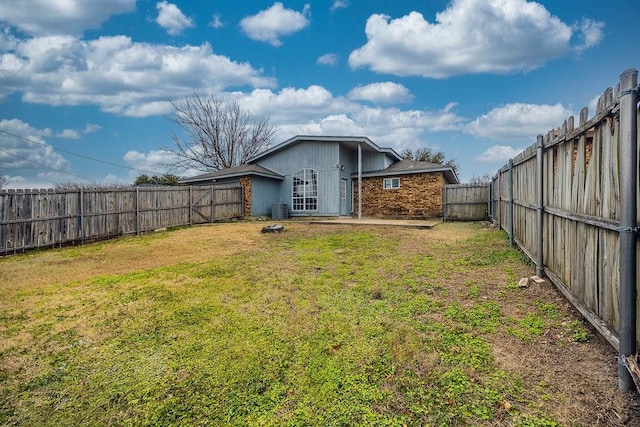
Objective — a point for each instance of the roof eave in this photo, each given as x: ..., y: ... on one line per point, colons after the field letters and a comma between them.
x: 361, y: 139
x: 449, y: 173
x: 232, y: 175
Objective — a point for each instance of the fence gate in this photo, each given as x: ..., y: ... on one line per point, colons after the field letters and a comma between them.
x: 202, y: 210
x: 211, y: 203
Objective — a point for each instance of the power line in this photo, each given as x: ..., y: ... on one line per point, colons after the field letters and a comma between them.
x: 51, y: 167
x: 74, y: 154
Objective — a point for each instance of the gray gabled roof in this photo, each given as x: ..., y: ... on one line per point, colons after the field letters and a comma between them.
x: 350, y: 140
x: 407, y: 167
x: 234, y: 172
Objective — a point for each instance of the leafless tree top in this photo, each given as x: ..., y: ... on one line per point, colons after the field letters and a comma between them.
x: 219, y: 134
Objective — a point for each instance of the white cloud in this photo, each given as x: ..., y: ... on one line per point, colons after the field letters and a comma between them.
x: 339, y: 4
x: 38, y: 17
x: 216, y: 22
x: 76, y: 133
x: 148, y: 161
x: 7, y: 40
x: 315, y: 110
x: 470, y: 36
x: 593, y: 105
x: 518, y: 122
x: 498, y: 154
x: 590, y: 31
x: 151, y: 108
x: 381, y: 93
x: 91, y: 128
x: 69, y: 134
x: 112, y: 179
x: 328, y: 59
x: 21, y: 156
x: 171, y: 18
x: 156, y: 162
x: 270, y: 24
x: 289, y: 103
x: 120, y: 76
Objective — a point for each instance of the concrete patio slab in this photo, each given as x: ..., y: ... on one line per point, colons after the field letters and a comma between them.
x: 408, y: 223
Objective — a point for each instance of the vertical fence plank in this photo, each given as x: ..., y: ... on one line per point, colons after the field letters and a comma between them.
x: 466, y: 201
x: 43, y: 218
x: 580, y: 183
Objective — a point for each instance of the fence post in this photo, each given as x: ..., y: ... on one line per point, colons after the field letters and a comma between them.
x: 511, y: 202
x: 213, y: 205
x: 81, y: 216
x: 539, y: 207
x: 499, y: 199
x: 628, y: 223
x: 137, y: 210
x: 490, y: 207
x: 444, y: 204
x: 190, y: 206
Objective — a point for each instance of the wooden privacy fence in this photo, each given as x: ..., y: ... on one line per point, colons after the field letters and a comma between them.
x: 31, y: 219
x: 465, y: 202
x: 570, y: 203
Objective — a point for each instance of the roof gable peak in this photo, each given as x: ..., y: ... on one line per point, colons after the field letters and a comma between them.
x: 326, y: 138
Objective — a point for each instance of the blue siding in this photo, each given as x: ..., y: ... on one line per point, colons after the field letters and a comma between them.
x: 264, y: 192
x: 323, y: 157
x: 373, y: 161
x: 348, y: 158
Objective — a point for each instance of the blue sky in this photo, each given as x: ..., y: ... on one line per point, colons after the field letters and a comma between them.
x: 85, y: 85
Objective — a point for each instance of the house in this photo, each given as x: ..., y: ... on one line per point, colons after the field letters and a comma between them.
x: 323, y: 175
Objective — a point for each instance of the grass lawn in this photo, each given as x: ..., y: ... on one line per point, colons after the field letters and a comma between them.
x: 320, y: 325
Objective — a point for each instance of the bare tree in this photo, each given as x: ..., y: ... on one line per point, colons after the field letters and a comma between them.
x: 484, y: 179
x: 75, y: 186
x: 220, y: 134
x: 3, y: 181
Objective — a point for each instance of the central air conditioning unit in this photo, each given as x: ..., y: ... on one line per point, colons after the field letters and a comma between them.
x: 279, y: 211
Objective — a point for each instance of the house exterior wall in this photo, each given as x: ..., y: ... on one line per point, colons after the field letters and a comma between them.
x: 265, y: 192
x: 323, y: 158
x: 373, y: 161
x: 419, y: 196
x: 349, y: 159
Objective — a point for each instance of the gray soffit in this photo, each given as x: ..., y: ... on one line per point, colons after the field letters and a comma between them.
x: 235, y: 172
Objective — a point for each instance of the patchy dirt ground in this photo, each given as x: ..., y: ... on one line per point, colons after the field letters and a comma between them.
x: 576, y: 381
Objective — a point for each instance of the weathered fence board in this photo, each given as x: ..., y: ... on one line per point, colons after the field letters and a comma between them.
x: 466, y: 201
x: 32, y: 219
x: 581, y: 210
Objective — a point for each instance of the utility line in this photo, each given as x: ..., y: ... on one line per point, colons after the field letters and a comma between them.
x: 74, y: 154
x: 50, y: 167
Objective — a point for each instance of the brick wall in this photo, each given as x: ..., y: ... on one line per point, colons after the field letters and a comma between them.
x: 245, y: 183
x: 419, y: 196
